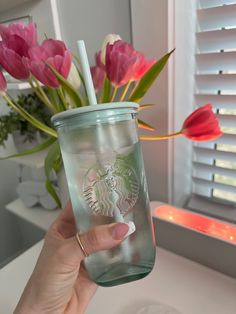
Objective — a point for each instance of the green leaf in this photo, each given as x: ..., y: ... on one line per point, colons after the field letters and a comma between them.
x: 148, y: 79
x: 62, y: 99
x: 68, y: 88
x: 50, y: 163
x: 106, y: 91
x: 77, y: 67
x: 35, y: 122
x: 34, y: 150
x: 53, y: 94
x: 141, y: 107
x: 144, y: 125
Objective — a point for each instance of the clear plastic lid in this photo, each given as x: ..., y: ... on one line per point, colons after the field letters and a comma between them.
x: 94, y: 112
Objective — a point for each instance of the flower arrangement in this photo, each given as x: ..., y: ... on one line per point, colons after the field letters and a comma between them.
x: 120, y: 73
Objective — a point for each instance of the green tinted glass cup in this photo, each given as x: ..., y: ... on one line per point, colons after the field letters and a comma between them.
x: 106, y: 179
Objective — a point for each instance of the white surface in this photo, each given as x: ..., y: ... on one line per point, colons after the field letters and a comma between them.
x: 14, y: 276
x: 36, y: 215
x: 176, y: 281
x: 18, y: 86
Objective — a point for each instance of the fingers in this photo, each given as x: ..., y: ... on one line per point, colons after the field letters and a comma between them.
x: 97, y: 239
x: 85, y: 288
x: 64, y: 226
x: 67, y: 214
x: 104, y: 237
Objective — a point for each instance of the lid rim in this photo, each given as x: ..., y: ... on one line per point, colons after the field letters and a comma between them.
x: 87, y: 109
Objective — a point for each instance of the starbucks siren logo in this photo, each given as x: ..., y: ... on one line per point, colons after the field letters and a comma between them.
x: 109, y: 185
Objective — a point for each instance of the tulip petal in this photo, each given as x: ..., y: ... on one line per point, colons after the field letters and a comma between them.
x: 197, y: 112
x: 37, y: 53
x: 98, y: 75
x: 122, y: 60
x: 98, y: 60
x: 43, y: 74
x: 53, y: 47
x: 3, y: 84
x: 26, y: 32
x: 202, y: 125
x: 148, y: 78
x: 17, y: 44
x: 13, y: 63
x: 66, y: 64
x: 68, y: 88
x: 51, y: 52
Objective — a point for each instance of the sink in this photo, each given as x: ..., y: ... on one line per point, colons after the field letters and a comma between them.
x: 16, y: 236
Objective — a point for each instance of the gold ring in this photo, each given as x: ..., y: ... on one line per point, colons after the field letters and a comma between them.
x: 81, y: 245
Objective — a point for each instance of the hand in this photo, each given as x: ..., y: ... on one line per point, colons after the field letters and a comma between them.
x: 59, y: 282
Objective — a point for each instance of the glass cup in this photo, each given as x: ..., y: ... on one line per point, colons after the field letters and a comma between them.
x: 106, y: 179
x: 158, y: 309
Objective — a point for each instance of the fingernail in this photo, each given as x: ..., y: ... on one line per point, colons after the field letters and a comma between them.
x: 123, y: 230
x: 132, y: 228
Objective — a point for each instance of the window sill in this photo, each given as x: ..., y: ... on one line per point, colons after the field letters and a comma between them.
x: 194, y: 244
x: 214, y: 209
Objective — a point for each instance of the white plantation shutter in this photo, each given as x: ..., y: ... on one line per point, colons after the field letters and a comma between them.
x: 214, y: 163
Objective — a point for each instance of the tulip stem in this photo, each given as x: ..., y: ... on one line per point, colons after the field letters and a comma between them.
x: 115, y: 89
x: 35, y: 89
x: 62, y: 98
x: 44, y: 95
x: 53, y: 94
x: 161, y: 137
x: 32, y: 120
x: 125, y: 91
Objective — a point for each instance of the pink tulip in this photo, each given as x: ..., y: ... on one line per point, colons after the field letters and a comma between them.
x: 26, y: 32
x: 3, y: 84
x: 109, y: 39
x: 98, y: 75
x: 124, y: 63
x: 142, y: 67
x: 98, y: 72
x: 13, y: 49
x: 98, y: 60
x: 202, y: 125
x: 51, y: 52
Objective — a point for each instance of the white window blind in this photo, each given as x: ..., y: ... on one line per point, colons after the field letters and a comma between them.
x: 214, y: 174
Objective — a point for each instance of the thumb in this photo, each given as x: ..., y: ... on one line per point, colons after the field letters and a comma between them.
x: 97, y: 239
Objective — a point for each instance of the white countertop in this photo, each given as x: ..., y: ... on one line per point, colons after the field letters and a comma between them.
x: 176, y: 281
x: 41, y: 218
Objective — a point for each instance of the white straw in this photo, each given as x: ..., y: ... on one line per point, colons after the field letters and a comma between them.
x: 125, y: 246
x: 86, y: 73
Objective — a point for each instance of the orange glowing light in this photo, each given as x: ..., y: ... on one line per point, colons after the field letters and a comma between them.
x: 203, y: 224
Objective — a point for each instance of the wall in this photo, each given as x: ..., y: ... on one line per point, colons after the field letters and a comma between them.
x: 150, y: 35
x: 92, y: 20
x: 169, y: 24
